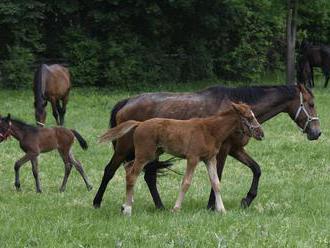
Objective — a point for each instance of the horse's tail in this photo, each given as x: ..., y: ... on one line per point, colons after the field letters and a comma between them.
x: 119, y: 105
x: 81, y: 140
x: 119, y: 131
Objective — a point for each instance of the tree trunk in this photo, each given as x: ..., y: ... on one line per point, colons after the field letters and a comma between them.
x: 291, y: 27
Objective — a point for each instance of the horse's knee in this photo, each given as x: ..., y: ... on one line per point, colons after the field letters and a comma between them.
x: 185, y: 185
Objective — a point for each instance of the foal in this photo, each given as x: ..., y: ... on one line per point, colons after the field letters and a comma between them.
x: 36, y: 140
x: 197, y: 139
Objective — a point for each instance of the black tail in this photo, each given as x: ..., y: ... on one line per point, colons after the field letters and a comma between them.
x: 119, y: 105
x: 80, y: 139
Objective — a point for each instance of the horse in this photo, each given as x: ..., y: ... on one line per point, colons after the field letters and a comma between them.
x: 51, y: 83
x: 315, y: 56
x: 35, y: 140
x: 266, y: 102
x: 197, y: 139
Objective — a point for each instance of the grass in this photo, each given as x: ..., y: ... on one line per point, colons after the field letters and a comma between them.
x: 291, y: 210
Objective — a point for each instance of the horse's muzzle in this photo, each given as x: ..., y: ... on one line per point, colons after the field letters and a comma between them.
x: 313, y: 134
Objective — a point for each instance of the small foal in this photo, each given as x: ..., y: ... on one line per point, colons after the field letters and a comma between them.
x: 197, y: 139
x: 36, y: 140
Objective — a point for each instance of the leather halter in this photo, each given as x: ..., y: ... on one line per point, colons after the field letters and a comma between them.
x: 249, y: 125
x: 40, y: 123
x: 303, y: 109
x: 7, y: 134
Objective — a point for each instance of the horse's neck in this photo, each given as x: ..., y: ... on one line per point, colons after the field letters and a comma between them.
x: 17, y: 132
x: 221, y: 126
x: 270, y: 107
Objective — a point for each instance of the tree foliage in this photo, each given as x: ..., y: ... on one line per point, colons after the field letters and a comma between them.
x: 132, y: 42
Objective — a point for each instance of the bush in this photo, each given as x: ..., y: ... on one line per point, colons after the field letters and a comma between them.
x: 16, y: 70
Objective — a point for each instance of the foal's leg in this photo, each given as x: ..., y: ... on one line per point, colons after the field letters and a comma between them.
x: 131, y: 177
x: 67, y: 169
x: 221, y: 159
x: 17, y: 166
x: 55, y: 111
x: 186, y: 182
x: 215, y: 183
x: 80, y: 169
x: 243, y: 157
x: 35, y: 171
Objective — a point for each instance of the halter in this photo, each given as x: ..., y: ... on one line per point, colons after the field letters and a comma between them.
x: 249, y: 125
x: 40, y: 123
x: 7, y: 134
x: 303, y: 109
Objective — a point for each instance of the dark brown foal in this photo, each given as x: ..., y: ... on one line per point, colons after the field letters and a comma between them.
x: 197, y: 139
x: 35, y: 140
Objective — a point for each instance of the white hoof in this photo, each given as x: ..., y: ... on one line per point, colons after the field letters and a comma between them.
x: 126, y: 210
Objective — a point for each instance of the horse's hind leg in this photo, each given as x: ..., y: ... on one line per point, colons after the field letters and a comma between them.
x: 35, y: 171
x: 214, y: 179
x: 62, y: 110
x: 150, y: 177
x: 186, y: 182
x: 55, y: 111
x: 81, y: 171
x: 67, y: 169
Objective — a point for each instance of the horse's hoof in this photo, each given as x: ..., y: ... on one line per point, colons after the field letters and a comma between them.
x: 96, y: 205
x: 89, y: 187
x: 126, y: 210
x: 175, y: 210
x: 18, y: 186
x: 39, y: 191
x: 244, y: 203
x: 211, y: 207
x: 161, y: 208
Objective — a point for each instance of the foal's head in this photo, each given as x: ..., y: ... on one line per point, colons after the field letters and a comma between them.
x: 248, y: 120
x: 5, y: 127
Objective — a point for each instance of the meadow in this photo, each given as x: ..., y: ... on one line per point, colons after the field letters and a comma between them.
x: 292, y: 208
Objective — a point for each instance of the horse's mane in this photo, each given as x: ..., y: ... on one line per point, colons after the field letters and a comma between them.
x: 37, y: 88
x: 23, y: 125
x: 253, y: 94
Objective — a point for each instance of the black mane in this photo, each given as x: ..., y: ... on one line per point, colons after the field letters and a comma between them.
x: 21, y: 124
x: 253, y: 94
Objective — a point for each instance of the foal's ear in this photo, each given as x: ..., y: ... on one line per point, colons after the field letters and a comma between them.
x: 236, y: 106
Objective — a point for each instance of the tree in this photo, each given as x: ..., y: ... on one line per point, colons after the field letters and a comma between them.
x: 291, y: 28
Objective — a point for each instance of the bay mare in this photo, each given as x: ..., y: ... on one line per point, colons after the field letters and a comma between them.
x: 313, y: 56
x: 35, y: 140
x: 197, y: 139
x: 265, y: 101
x: 51, y: 83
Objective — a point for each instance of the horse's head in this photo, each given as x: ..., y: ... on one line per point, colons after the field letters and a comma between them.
x: 5, y: 127
x: 302, y: 111
x: 248, y: 120
x: 40, y: 113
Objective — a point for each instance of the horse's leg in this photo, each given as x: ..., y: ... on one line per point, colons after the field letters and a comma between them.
x: 81, y: 171
x: 35, y: 171
x: 215, y: 183
x: 186, y: 182
x: 62, y: 110
x: 242, y: 156
x: 55, y: 111
x: 17, y: 166
x: 108, y: 174
x: 326, y: 73
x: 67, y: 169
x: 150, y: 177
x: 221, y: 159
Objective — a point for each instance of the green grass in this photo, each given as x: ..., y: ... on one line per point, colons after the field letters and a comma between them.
x: 291, y: 210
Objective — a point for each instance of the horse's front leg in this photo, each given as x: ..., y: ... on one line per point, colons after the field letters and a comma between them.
x: 18, y: 164
x: 241, y: 155
x: 215, y: 183
x: 55, y: 111
x: 221, y: 159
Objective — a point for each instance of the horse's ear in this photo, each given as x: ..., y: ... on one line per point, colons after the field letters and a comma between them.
x: 302, y: 88
x: 236, y: 106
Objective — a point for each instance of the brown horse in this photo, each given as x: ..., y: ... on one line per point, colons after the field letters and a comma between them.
x: 265, y: 101
x: 36, y: 140
x: 314, y: 56
x: 51, y: 83
x: 197, y: 139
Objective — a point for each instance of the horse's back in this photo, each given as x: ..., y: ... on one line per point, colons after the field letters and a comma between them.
x: 57, y: 81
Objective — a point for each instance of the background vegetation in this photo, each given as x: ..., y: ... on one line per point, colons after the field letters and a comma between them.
x: 291, y: 210
x: 136, y: 42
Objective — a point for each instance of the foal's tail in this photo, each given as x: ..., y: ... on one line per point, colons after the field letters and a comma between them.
x: 80, y: 139
x: 119, y: 131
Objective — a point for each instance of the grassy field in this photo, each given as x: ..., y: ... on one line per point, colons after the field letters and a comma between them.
x: 291, y: 210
